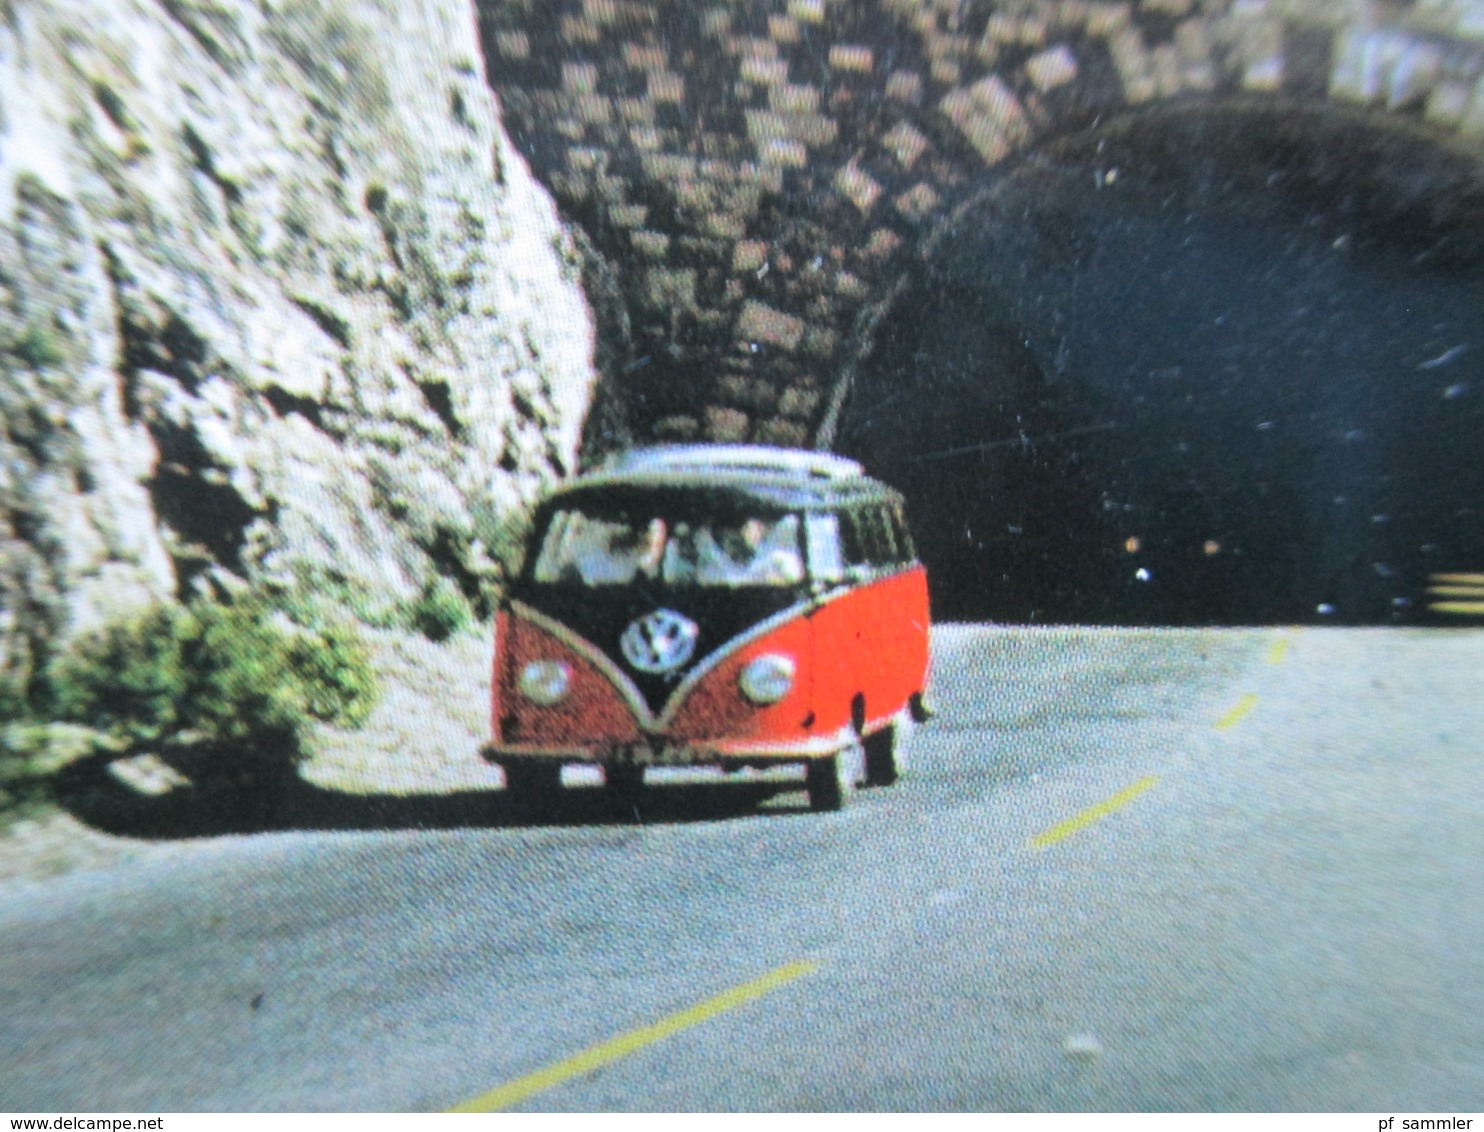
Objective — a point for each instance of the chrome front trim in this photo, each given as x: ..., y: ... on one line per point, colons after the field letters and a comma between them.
x: 647, y: 720
x: 816, y: 747
x: 730, y: 648
x: 681, y: 754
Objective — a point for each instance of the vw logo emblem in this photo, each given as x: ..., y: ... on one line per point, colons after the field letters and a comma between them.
x: 660, y: 641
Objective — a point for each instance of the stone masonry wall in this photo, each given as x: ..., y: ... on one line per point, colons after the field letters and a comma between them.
x: 755, y: 176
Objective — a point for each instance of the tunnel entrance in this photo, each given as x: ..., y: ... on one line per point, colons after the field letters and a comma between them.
x: 1202, y: 365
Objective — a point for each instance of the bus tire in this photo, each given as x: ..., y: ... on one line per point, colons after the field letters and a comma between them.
x: 883, y: 767
x: 920, y: 710
x: 533, y: 780
x: 623, y: 782
x: 830, y: 780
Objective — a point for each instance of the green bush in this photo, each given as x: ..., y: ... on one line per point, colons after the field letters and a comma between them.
x: 504, y: 538
x: 12, y: 698
x: 126, y: 680
x: 333, y: 669
x: 235, y: 675
x: 441, y: 612
x: 39, y: 347
x: 22, y: 784
x: 316, y: 592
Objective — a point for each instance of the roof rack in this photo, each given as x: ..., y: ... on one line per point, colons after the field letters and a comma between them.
x: 733, y: 457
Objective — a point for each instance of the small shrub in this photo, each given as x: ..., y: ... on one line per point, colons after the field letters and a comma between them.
x: 332, y: 667
x: 239, y: 683
x: 317, y: 594
x: 126, y: 679
x: 12, y: 698
x: 234, y: 676
x: 22, y: 785
x: 505, y: 537
x: 38, y: 347
x: 441, y: 612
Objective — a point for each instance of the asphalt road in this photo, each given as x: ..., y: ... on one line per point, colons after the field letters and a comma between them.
x: 1128, y: 870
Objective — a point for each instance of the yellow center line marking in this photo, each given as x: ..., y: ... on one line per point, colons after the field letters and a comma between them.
x: 1278, y: 651
x: 1063, y: 830
x: 597, y: 1056
x: 1460, y: 579
x: 1237, y: 713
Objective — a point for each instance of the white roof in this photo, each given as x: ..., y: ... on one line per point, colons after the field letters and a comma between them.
x: 733, y: 457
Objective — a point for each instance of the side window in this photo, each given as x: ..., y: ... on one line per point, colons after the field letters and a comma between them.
x: 869, y: 537
x: 885, y: 549
x: 826, y: 560
x: 906, y: 550
x: 855, y: 537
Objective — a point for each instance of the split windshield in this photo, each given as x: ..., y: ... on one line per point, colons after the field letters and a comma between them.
x: 590, y: 549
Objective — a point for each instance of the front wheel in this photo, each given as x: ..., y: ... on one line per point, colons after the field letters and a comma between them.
x: 883, y: 757
x: 918, y: 707
x: 533, y: 780
x: 830, y: 780
x: 623, y: 782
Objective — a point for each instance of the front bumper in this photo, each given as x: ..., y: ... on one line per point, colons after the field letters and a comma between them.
x: 662, y: 752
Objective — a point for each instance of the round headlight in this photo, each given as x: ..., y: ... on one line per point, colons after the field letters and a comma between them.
x: 767, y: 679
x: 544, y: 682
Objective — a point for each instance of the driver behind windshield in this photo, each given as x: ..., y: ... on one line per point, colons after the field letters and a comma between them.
x: 754, y: 552
x: 598, y: 551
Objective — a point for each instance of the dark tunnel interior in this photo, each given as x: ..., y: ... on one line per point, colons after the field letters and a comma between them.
x: 1222, y: 366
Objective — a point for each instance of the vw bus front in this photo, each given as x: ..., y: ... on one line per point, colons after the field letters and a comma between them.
x: 676, y: 620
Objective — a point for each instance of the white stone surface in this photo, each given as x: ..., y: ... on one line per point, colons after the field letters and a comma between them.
x: 264, y: 247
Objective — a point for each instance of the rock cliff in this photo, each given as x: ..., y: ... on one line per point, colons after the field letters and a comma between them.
x: 278, y: 301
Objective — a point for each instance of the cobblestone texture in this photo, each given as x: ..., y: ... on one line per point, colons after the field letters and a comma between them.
x: 756, y: 176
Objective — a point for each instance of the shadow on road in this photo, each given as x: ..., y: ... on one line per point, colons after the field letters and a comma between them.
x: 283, y: 801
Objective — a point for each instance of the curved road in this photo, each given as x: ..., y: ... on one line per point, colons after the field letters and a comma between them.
x: 1128, y: 870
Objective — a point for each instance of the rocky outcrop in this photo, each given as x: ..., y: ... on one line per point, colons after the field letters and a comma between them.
x: 278, y: 300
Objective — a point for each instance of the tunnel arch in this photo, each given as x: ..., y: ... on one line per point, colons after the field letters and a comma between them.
x: 759, y: 191
x: 1205, y: 363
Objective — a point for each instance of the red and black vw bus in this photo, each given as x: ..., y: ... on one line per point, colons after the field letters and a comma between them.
x: 713, y: 605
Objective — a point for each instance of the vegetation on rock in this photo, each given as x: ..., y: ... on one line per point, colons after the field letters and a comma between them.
x: 238, y: 683
x: 236, y: 673
x: 441, y: 611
